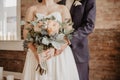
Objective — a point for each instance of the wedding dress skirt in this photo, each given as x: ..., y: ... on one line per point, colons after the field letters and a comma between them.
x: 61, y: 67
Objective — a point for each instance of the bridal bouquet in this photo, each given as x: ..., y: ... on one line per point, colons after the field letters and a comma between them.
x: 47, y: 33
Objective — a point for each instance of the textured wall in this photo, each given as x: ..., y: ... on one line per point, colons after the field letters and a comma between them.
x: 105, y: 54
x: 108, y: 14
x: 104, y: 43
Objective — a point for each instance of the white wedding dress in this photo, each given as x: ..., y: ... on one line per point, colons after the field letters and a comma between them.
x: 61, y: 67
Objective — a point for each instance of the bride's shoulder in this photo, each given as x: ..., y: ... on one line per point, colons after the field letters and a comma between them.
x: 36, y: 6
x: 32, y: 8
x: 63, y: 8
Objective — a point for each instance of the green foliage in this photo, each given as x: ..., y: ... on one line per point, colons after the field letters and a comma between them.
x: 39, y: 36
x: 42, y: 40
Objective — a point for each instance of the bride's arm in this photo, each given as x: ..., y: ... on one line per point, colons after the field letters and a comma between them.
x: 28, y: 18
x: 65, y: 15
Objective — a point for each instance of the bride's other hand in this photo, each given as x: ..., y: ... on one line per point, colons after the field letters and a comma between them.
x: 49, y: 53
x: 59, y: 51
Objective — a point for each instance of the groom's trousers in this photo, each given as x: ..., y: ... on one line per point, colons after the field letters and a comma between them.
x: 83, y: 70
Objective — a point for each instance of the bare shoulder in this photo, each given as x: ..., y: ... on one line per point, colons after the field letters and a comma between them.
x: 63, y: 8
x: 65, y: 12
x: 32, y: 8
x: 30, y: 13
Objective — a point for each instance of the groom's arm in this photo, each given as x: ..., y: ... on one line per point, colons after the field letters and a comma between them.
x: 88, y: 21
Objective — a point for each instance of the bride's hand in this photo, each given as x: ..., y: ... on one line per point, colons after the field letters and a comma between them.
x: 48, y: 53
x: 57, y: 52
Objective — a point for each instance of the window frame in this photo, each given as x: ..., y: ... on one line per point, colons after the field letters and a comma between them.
x: 18, y: 21
x: 14, y: 44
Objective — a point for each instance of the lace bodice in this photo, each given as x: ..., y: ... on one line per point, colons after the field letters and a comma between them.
x: 57, y: 16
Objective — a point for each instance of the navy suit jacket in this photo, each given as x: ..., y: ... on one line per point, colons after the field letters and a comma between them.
x: 83, y: 17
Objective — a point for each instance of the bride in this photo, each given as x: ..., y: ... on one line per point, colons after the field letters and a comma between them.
x: 62, y: 65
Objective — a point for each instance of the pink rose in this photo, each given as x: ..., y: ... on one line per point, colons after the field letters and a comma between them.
x: 53, y: 27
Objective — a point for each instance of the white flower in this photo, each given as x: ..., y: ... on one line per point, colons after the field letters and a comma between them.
x: 77, y: 3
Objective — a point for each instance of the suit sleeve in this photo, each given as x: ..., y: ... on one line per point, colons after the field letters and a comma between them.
x: 88, y: 21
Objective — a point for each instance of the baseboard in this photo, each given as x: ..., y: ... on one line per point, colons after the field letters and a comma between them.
x: 17, y: 75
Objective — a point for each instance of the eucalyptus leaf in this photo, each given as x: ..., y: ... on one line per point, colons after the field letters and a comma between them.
x: 56, y: 44
x: 39, y: 17
x: 45, y: 41
x: 34, y: 23
x: 66, y: 32
x: 40, y: 49
x: 60, y: 37
x: 28, y: 28
x: 23, y: 22
x: 43, y: 32
x: 69, y: 36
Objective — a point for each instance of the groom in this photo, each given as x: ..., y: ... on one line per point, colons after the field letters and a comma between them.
x: 83, y: 14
